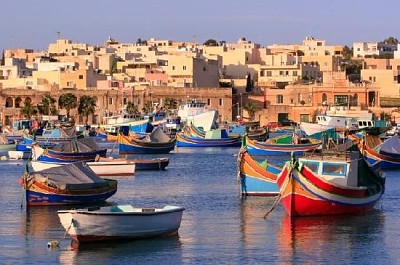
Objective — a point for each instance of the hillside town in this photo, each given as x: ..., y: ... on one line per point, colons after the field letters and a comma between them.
x: 242, y: 80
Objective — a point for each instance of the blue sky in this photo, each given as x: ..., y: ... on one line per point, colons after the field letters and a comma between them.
x: 34, y: 24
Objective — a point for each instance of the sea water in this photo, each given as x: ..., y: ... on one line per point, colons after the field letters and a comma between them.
x: 218, y: 226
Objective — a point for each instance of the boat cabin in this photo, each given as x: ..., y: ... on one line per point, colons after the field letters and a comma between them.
x: 343, y: 172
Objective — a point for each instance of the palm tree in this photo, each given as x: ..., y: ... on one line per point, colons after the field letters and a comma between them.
x: 68, y: 101
x: 28, y: 110
x: 131, y: 108
x: 170, y: 103
x: 47, y: 106
x: 86, y: 106
x: 251, y: 109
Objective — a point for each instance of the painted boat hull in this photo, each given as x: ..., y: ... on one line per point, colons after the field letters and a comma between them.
x: 260, y: 148
x: 303, y: 193
x: 88, y: 225
x: 256, y: 179
x: 141, y: 147
x: 38, y: 194
x: 186, y: 141
x: 151, y: 164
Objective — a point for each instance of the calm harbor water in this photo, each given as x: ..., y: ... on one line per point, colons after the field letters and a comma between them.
x: 218, y: 227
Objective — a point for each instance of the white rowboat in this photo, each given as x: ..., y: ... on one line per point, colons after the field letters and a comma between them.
x: 119, y: 222
x: 101, y: 168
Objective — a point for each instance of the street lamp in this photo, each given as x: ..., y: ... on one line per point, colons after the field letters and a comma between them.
x: 241, y: 105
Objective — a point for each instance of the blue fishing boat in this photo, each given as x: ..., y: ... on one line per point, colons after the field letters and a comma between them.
x: 272, y: 148
x: 187, y: 141
x: 257, y: 178
x: 192, y: 136
x: 155, y: 143
x: 379, y: 155
x: 252, y: 129
x: 73, y: 183
x: 85, y: 149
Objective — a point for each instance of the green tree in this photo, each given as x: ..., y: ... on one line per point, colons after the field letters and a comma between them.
x: 210, y: 42
x: 391, y: 40
x: 249, y: 83
x: 47, y: 106
x: 251, y: 109
x: 170, y: 103
x: 131, y: 108
x: 347, y: 52
x: 68, y: 101
x: 87, y: 105
x: 28, y: 110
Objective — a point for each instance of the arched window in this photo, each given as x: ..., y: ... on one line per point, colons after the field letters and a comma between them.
x: 354, y: 100
x: 28, y: 100
x: 9, y: 102
x: 324, y: 98
x: 18, y: 101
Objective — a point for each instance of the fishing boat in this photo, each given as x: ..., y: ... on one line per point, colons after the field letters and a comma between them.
x: 155, y: 143
x: 85, y: 149
x: 5, y: 145
x: 379, y: 155
x: 119, y: 222
x: 271, y: 147
x: 51, y: 136
x: 192, y: 136
x: 256, y: 178
x: 329, y: 184
x: 73, y: 183
x: 141, y: 164
x: 196, y: 112
x: 114, y: 168
x: 251, y: 129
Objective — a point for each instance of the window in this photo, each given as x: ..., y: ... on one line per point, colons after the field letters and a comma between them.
x: 220, y: 102
x: 279, y: 99
x: 269, y: 73
x: 334, y: 169
x: 294, y: 73
x: 184, y: 67
x: 209, y: 102
x: 324, y: 98
x: 173, y: 67
x: 261, y: 73
x: 80, y: 76
x: 341, y: 100
x: 313, y: 166
x: 110, y: 101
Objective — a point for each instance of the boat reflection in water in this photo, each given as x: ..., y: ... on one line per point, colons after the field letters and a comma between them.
x: 143, y: 251
x: 309, y: 239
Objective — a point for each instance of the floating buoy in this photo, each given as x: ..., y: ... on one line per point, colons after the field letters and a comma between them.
x: 53, y: 244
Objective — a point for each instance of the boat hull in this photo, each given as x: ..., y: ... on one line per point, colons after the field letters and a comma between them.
x: 90, y: 226
x: 257, y: 179
x: 102, y: 169
x: 305, y: 194
x: 259, y: 148
x: 186, y: 141
x: 38, y: 194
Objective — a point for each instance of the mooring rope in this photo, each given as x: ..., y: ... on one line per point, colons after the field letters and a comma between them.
x: 55, y: 243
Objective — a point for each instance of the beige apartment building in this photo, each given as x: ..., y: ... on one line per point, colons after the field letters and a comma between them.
x: 313, y: 51
x: 236, y: 57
